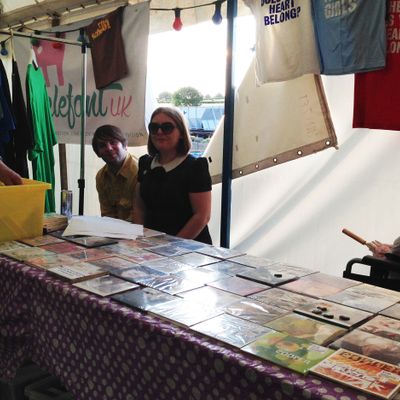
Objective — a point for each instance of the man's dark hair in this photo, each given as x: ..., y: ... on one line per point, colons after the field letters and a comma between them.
x: 106, y: 132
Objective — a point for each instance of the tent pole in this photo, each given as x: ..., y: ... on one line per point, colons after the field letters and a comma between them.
x: 81, y: 180
x: 226, y: 195
x: 62, y: 152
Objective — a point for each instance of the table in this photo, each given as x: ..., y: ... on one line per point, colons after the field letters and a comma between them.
x: 100, y: 349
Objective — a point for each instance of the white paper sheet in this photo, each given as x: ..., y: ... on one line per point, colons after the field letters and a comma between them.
x: 102, y: 226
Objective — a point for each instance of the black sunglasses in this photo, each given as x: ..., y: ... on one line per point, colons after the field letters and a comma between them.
x: 166, y: 128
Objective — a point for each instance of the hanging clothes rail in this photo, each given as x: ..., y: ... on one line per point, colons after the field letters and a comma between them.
x: 84, y: 46
x: 41, y: 37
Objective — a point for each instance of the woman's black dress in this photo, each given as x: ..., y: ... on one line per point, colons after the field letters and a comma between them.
x: 166, y: 194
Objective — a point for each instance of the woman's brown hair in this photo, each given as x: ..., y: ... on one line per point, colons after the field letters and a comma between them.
x: 185, y: 142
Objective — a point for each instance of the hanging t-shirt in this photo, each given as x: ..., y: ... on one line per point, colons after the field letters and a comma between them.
x: 42, y: 155
x: 377, y: 93
x: 351, y: 35
x: 6, y: 117
x: 23, y: 136
x: 285, y: 40
x: 107, y: 48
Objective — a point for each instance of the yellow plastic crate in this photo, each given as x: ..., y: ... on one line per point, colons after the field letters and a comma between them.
x: 22, y: 209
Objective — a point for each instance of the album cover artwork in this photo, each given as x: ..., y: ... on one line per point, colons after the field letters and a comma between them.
x: 392, y: 311
x: 220, y: 252
x: 284, y: 299
x: 366, y: 297
x: 62, y: 248
x: 370, y: 345
x: 168, y: 283
x: 254, y: 311
x: 143, y: 298
x: 168, y: 250
x: 41, y: 240
x: 210, y: 296
x: 51, y: 260
x: 183, y: 312
x: 228, y: 267
x: 338, y: 314
x: 239, y: 286
x: 253, y: 261
x: 383, y: 326
x: 106, y: 285
x: 77, y: 272
x: 196, y: 259
x: 137, y: 273
x: 319, y: 285
x: 112, y: 263
x: 303, y: 327
x: 229, y: 329
x: 167, y: 265
x: 201, y: 275
x: 267, y: 276
x: 288, y: 351
x: 11, y: 245
x: 360, y: 372
x: 22, y: 253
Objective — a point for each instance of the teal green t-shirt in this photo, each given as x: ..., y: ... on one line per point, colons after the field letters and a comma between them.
x: 41, y: 155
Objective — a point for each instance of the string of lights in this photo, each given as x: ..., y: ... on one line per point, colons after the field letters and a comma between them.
x: 176, y: 25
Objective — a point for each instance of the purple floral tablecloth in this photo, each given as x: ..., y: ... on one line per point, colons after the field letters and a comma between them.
x: 100, y: 349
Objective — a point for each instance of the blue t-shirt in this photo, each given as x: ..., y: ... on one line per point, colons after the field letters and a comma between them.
x: 351, y: 35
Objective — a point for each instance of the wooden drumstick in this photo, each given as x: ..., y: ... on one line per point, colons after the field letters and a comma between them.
x: 354, y: 236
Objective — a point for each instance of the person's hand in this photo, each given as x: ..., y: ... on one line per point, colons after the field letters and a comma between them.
x: 379, y: 249
x: 8, y: 176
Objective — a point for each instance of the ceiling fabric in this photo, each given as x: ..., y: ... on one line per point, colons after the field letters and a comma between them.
x: 40, y: 14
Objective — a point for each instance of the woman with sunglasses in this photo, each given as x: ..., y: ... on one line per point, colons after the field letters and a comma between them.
x: 173, y: 194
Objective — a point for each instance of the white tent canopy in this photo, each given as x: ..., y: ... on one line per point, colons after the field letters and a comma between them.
x: 293, y: 212
x: 40, y: 13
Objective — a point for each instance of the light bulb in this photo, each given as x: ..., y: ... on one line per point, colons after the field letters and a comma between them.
x: 58, y: 45
x: 177, y: 25
x: 217, y: 17
x: 35, y: 42
x: 3, y: 51
x: 81, y: 37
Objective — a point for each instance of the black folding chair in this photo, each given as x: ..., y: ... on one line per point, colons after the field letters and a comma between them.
x: 383, y: 272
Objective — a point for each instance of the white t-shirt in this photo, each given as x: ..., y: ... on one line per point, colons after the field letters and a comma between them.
x: 285, y: 40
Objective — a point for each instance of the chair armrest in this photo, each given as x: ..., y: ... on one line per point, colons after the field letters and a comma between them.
x: 380, y: 269
x: 393, y: 257
x: 383, y: 263
x: 350, y: 264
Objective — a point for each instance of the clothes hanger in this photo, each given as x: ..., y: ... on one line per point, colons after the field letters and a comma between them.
x: 12, y: 45
x: 33, y: 57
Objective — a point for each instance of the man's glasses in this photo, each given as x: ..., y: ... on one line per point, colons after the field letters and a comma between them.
x: 166, y: 128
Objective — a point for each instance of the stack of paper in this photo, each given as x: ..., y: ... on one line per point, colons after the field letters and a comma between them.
x: 103, y: 226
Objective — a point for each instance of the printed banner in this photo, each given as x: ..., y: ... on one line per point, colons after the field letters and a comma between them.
x: 121, y: 103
